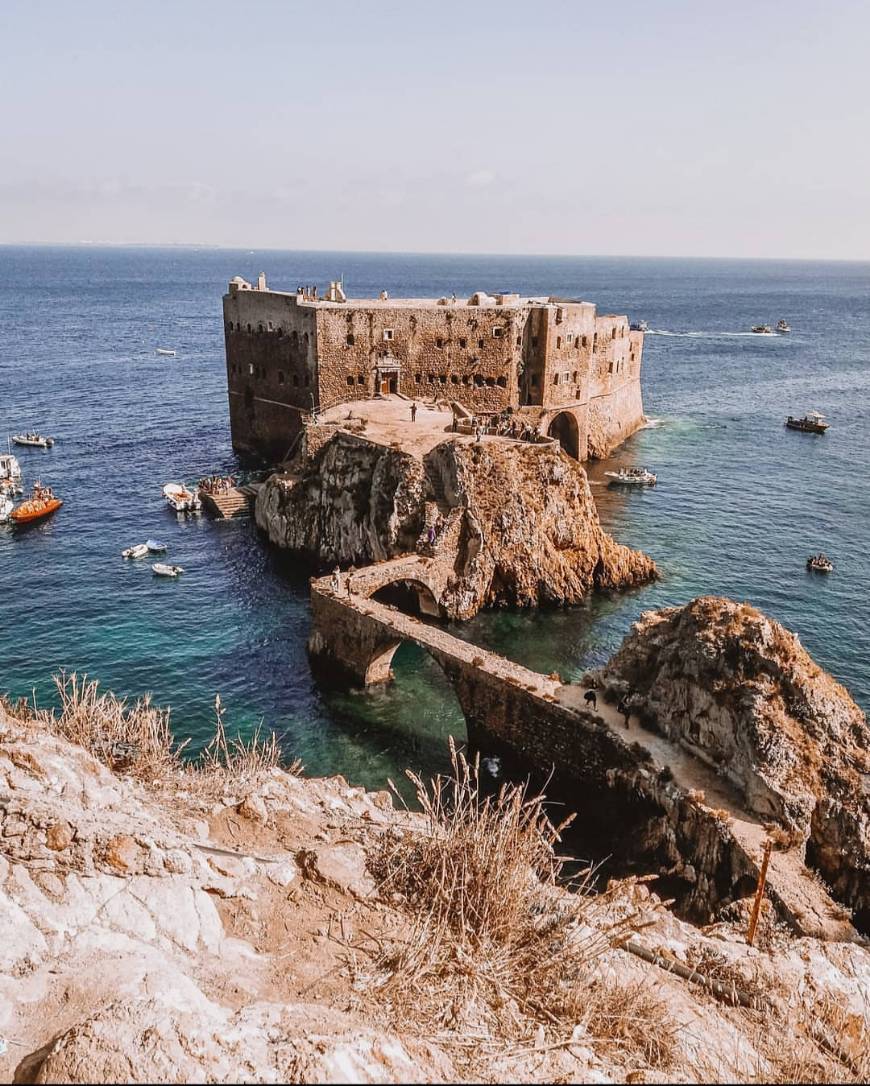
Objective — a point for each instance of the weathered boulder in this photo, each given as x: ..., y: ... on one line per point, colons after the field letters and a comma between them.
x: 739, y: 691
x: 522, y: 528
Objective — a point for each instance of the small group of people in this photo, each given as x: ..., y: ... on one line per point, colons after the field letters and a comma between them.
x: 335, y: 581
x: 217, y: 484
x: 504, y: 425
x: 624, y: 706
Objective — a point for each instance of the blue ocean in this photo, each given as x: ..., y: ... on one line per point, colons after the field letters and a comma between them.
x: 740, y: 502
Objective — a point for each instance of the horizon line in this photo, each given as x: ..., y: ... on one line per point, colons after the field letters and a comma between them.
x: 418, y: 252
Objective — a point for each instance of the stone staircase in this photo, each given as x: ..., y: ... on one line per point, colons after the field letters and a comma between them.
x: 233, y: 503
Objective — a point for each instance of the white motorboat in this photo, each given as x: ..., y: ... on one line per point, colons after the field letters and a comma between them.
x: 762, y: 329
x: 155, y: 546
x: 162, y: 570
x: 632, y: 477
x: 33, y: 440
x: 182, y: 500
x: 6, y: 508
x: 9, y: 467
x: 820, y: 563
x: 638, y: 326
x: 138, y: 551
x: 782, y: 327
x: 166, y: 351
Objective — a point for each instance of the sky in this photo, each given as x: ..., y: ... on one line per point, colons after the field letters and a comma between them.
x: 658, y: 128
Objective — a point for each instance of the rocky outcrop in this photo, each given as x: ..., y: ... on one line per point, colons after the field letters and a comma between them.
x: 740, y: 692
x: 521, y: 524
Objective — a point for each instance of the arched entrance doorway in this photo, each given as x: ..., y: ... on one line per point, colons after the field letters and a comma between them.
x: 564, y: 428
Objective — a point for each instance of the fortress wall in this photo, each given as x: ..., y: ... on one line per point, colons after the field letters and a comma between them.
x: 457, y: 353
x: 271, y: 369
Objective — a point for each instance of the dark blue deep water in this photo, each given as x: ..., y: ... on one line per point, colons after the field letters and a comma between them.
x: 739, y: 505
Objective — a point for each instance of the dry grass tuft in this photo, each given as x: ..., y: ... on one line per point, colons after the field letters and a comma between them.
x: 492, y: 941
x: 136, y: 739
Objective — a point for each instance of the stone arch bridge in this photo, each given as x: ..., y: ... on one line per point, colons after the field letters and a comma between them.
x: 638, y: 788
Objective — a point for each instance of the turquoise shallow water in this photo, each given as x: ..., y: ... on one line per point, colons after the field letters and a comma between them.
x: 740, y: 502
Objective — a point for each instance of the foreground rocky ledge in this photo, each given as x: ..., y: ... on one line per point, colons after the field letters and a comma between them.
x: 519, y: 524
x: 164, y: 932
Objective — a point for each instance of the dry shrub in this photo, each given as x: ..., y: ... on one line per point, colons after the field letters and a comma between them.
x: 493, y: 939
x: 826, y: 1043
x: 137, y: 740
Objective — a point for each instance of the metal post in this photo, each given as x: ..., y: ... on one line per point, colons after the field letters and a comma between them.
x: 759, y: 893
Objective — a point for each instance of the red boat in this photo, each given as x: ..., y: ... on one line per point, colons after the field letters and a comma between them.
x: 40, y: 504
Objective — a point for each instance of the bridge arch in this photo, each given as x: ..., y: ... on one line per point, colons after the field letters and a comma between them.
x: 409, y: 595
x: 565, y: 429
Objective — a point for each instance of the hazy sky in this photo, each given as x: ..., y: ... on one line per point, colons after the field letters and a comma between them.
x: 623, y: 127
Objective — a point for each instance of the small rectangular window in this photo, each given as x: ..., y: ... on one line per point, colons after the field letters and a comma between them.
x: 556, y: 379
x: 418, y: 378
x: 360, y: 379
x: 585, y: 341
x: 480, y: 344
x: 350, y: 382
x: 280, y: 377
x: 497, y: 332
x: 569, y: 338
x: 439, y: 343
x: 463, y: 342
x: 350, y: 340
x: 388, y: 335
x: 558, y: 342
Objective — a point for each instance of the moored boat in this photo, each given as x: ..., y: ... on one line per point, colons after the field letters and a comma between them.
x: 166, y: 351
x: 138, y: 551
x: 820, y: 563
x: 182, y: 500
x: 162, y: 570
x: 632, y: 477
x: 10, y: 469
x: 155, y: 546
x: 40, y: 504
x: 782, y: 327
x: 33, y: 440
x: 762, y: 329
x: 6, y: 508
x: 813, y: 422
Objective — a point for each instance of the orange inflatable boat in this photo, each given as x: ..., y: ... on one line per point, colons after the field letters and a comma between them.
x: 40, y: 503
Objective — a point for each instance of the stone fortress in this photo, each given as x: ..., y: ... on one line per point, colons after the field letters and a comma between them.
x: 571, y: 373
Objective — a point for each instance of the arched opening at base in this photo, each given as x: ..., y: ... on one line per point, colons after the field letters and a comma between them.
x: 410, y: 597
x: 563, y: 427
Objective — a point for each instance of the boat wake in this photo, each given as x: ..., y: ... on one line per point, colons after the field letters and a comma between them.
x: 712, y: 335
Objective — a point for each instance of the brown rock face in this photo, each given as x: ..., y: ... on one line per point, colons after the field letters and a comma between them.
x: 521, y: 524
x: 59, y: 836
x: 741, y: 692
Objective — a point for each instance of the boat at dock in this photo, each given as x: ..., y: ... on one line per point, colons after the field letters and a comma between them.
x: 632, y: 477
x: 33, y: 440
x: 182, y: 500
x: 41, y: 503
x: 6, y: 508
x: 820, y: 563
x: 782, y: 328
x: 10, y: 469
x: 154, y: 546
x: 762, y: 329
x: 813, y: 422
x: 166, y: 351
x: 160, y: 569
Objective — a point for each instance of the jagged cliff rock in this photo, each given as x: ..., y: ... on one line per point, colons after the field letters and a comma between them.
x: 521, y: 526
x: 740, y: 691
x: 153, y: 934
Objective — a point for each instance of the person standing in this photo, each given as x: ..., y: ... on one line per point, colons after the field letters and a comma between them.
x: 336, y: 580
x: 624, y: 709
x: 591, y: 699
x: 413, y: 412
